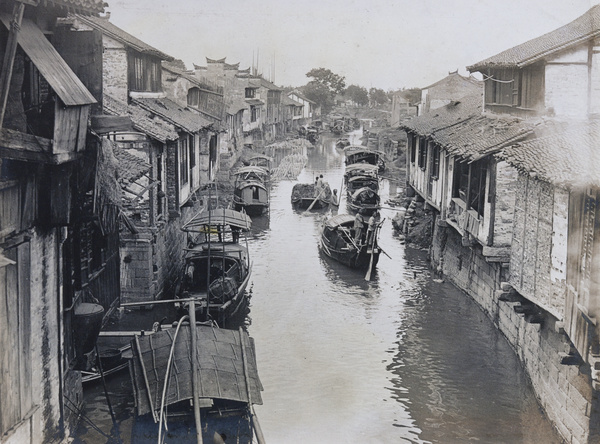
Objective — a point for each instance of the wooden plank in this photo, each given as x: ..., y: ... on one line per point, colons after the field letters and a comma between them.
x: 25, y: 322
x: 11, y: 405
x: 4, y: 351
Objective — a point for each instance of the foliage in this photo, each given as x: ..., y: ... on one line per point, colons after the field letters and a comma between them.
x: 378, y: 96
x: 358, y: 94
x: 333, y: 82
x: 320, y: 94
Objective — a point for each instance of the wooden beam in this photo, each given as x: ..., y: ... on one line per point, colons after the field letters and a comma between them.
x: 9, y: 57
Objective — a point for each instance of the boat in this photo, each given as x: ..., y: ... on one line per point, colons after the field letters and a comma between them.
x: 361, y: 169
x: 357, y: 182
x: 365, y: 199
x: 217, y: 266
x: 195, y: 383
x: 304, y: 197
x: 342, y: 143
x: 360, y: 154
x: 261, y: 160
x: 339, y: 242
x: 251, y: 193
x: 111, y: 360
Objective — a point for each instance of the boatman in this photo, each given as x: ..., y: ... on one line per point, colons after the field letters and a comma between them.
x: 359, y: 223
x: 373, y: 223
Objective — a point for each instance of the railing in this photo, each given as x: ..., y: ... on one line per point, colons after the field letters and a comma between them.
x: 466, y: 220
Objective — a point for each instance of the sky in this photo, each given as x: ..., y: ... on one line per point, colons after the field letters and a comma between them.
x: 387, y: 44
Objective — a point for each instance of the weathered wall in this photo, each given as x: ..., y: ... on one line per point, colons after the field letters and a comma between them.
x: 566, y: 83
x: 114, y: 73
x: 531, y: 251
x: 504, y: 201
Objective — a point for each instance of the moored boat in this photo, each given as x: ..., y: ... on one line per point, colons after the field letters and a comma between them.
x: 195, y: 383
x: 216, y: 265
x: 251, y: 193
x: 365, y: 199
x: 342, y: 143
x: 360, y: 154
x: 357, y: 182
x: 340, y: 241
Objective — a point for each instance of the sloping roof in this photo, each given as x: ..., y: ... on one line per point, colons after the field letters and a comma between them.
x: 481, y: 135
x: 51, y: 65
x: 564, y: 154
x: 452, y: 78
x: 339, y: 219
x: 219, y: 361
x: 173, y: 113
x: 237, y: 106
x: 116, y: 33
x: 129, y: 166
x: 444, y: 116
x: 288, y: 101
x: 142, y: 120
x: 579, y: 30
x: 197, y: 81
x: 215, y: 60
x: 82, y: 5
x: 300, y: 95
x: 254, y: 102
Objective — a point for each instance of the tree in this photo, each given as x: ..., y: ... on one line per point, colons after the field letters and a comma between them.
x: 358, y: 94
x: 378, y: 96
x: 327, y: 78
x: 319, y: 94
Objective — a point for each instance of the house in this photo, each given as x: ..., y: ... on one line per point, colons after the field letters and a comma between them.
x: 444, y: 91
x: 59, y: 237
x: 294, y: 113
x: 311, y: 110
x: 174, y: 126
x: 401, y: 108
x: 554, y: 238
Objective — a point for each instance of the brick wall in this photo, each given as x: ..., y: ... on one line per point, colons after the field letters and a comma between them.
x: 114, y: 70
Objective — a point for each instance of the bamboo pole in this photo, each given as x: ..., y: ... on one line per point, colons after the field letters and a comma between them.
x: 257, y: 429
x: 194, y: 351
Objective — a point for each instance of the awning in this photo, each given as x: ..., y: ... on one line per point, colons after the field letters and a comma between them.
x: 218, y: 217
x: 50, y: 64
x: 254, y: 102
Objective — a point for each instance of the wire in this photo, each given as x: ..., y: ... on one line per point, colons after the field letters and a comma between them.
x: 496, y: 80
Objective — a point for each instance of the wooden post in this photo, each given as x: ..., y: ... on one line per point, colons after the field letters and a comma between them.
x: 257, y: 429
x: 9, y: 57
x: 192, y: 313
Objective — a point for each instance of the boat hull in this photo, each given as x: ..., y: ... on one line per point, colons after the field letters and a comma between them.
x: 351, y: 257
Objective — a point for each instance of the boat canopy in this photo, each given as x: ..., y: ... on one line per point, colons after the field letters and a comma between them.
x: 218, y: 217
x: 339, y: 219
x: 366, y: 169
x: 251, y: 183
x: 253, y: 169
x: 364, y: 190
x: 261, y: 156
x: 353, y: 150
x: 219, y: 361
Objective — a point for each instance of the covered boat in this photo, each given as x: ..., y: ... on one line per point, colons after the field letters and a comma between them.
x: 342, y: 143
x: 340, y: 241
x: 365, y: 199
x: 361, y: 169
x: 216, y: 266
x: 250, y: 192
x: 261, y: 160
x: 357, y: 182
x: 215, y: 372
x: 304, y: 195
x: 360, y: 154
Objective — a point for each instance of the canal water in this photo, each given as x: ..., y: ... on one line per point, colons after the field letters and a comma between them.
x: 402, y: 358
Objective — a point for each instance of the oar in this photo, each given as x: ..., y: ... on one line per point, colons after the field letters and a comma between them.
x: 368, y: 275
x: 315, y: 201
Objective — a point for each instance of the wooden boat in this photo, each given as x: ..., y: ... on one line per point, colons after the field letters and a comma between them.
x: 261, y: 160
x: 112, y: 360
x: 359, y: 154
x: 216, y: 266
x: 342, y: 143
x: 364, y: 199
x: 303, y: 196
x: 194, y: 385
x: 339, y: 242
x: 355, y: 183
x: 361, y: 169
x: 250, y: 192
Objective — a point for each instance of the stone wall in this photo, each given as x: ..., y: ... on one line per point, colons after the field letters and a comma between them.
x: 566, y: 83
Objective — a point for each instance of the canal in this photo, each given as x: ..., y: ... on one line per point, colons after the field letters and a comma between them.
x: 402, y: 358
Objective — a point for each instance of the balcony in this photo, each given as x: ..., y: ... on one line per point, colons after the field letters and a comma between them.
x: 465, y: 221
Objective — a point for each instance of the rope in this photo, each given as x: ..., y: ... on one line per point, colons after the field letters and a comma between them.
x: 79, y: 412
x: 497, y: 80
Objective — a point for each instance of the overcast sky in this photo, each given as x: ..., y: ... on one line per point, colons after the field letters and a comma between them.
x: 386, y: 44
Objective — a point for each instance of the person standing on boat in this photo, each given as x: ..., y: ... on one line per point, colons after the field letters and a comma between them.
x: 359, y: 223
x: 373, y: 223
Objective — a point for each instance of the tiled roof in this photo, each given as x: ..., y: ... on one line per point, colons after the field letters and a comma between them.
x: 173, y: 113
x: 114, y: 32
x: 581, y: 29
x: 200, y: 82
x: 464, y: 131
x: 129, y: 166
x: 562, y: 154
x: 445, y: 116
x: 236, y: 106
x: 300, y: 95
x: 288, y: 101
x: 481, y: 135
x: 82, y: 5
x: 142, y: 120
x: 455, y: 77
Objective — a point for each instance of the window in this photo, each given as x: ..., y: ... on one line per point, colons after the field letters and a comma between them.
x: 273, y: 97
x: 183, y: 162
x: 255, y: 113
x: 160, y: 195
x: 250, y: 93
x: 144, y: 73
x: 435, y: 162
x: 477, y: 187
x: 461, y: 180
x: 192, y: 145
x: 413, y: 148
x: 193, y: 97
x: 531, y: 87
x: 422, y: 152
